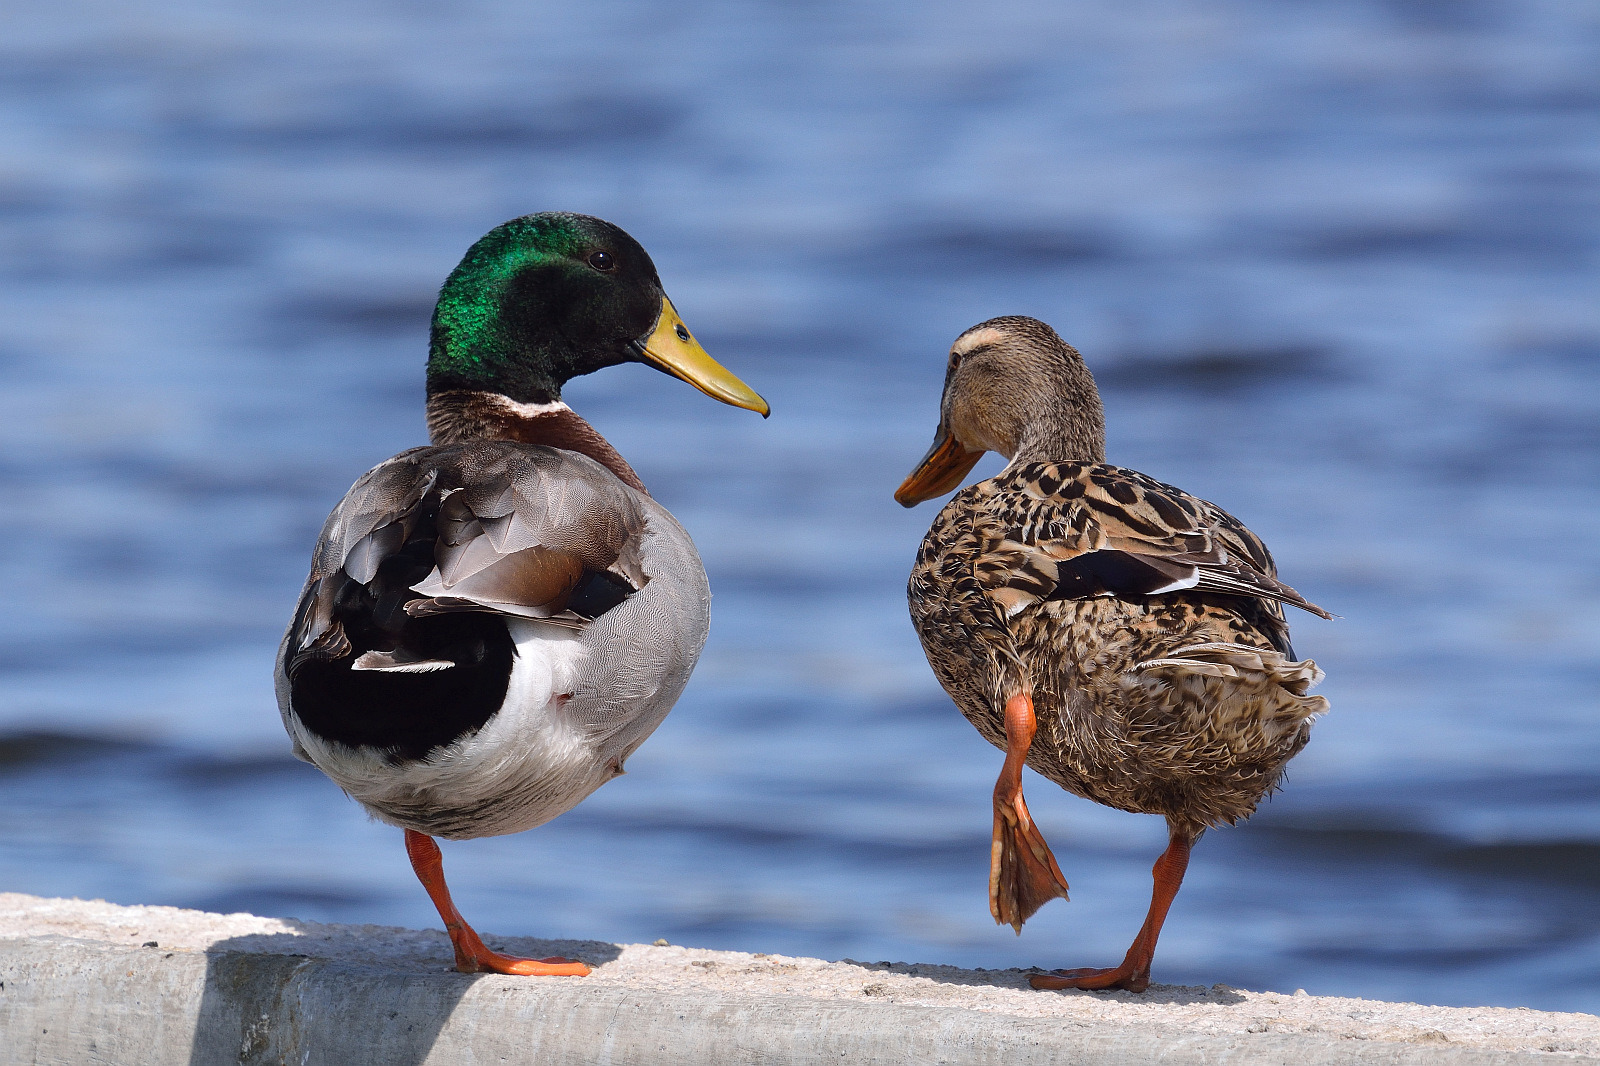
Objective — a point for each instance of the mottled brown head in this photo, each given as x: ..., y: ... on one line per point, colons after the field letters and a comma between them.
x: 1013, y: 387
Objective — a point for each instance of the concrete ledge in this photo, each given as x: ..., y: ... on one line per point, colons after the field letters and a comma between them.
x: 89, y: 982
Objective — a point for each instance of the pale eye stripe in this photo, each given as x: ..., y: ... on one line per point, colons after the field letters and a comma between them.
x: 976, y: 339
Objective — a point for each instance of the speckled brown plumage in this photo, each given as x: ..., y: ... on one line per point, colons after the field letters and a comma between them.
x: 1185, y: 704
x: 1125, y: 639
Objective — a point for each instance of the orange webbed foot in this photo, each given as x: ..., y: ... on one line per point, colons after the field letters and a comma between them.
x: 1091, y: 979
x: 1023, y: 875
x: 472, y: 954
x: 1134, y: 973
x: 479, y: 959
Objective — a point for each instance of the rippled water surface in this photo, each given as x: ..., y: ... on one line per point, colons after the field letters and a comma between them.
x: 1335, y: 264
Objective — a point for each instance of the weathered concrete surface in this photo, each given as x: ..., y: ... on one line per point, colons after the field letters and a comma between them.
x: 89, y: 982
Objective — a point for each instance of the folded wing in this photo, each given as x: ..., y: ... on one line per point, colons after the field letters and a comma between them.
x: 1064, y: 531
x: 487, y: 526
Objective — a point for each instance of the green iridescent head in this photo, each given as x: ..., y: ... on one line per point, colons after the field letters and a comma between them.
x: 547, y: 297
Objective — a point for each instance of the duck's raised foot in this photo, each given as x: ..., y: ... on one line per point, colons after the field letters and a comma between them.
x: 1090, y: 979
x: 1023, y: 875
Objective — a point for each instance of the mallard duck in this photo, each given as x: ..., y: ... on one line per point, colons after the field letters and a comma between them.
x: 1121, y: 637
x: 493, y: 623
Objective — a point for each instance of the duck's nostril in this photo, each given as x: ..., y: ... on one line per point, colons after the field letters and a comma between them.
x: 683, y: 334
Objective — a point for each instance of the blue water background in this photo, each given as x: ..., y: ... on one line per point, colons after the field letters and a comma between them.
x: 1335, y: 263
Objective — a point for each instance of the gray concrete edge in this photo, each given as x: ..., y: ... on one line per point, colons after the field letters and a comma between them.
x: 74, y: 1001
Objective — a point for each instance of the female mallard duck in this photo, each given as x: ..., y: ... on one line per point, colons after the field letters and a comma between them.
x: 494, y: 623
x: 1121, y: 637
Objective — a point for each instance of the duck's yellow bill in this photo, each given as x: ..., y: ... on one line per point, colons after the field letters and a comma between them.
x: 941, y: 470
x: 670, y: 347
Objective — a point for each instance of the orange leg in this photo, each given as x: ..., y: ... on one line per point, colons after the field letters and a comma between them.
x: 1023, y: 875
x: 1134, y: 973
x: 472, y: 955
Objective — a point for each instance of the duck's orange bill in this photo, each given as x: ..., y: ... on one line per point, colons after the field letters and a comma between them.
x: 941, y: 470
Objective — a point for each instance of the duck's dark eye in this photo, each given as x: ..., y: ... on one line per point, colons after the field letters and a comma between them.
x: 955, y: 361
x: 602, y: 261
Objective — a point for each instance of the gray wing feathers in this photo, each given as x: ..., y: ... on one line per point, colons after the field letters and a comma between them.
x: 516, y: 527
x: 518, y: 535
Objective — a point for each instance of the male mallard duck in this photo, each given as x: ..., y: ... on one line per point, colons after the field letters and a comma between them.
x: 1121, y: 637
x: 494, y: 623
